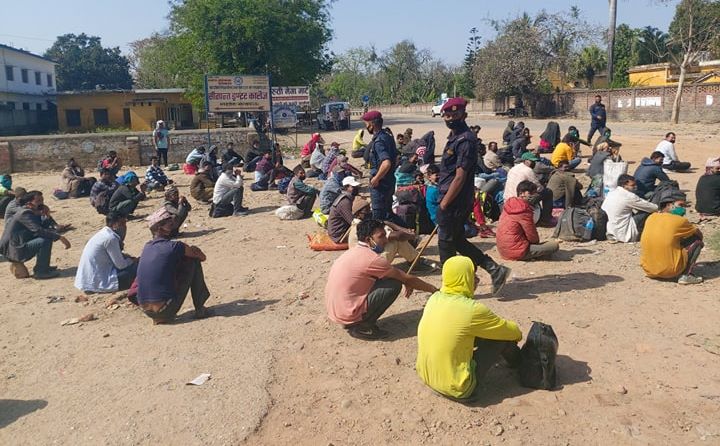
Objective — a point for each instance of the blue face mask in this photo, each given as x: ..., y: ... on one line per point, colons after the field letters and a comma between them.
x: 377, y: 248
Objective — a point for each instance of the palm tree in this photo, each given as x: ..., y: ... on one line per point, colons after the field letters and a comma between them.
x: 590, y: 61
x: 611, y: 37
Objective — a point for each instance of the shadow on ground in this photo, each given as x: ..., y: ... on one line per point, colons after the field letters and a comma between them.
x: 240, y: 307
x: 532, y: 287
x: 401, y: 325
x: 12, y: 410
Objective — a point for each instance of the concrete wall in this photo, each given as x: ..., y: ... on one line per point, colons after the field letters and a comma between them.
x: 51, y: 152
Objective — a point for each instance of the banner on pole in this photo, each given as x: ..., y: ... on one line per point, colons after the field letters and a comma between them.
x: 230, y: 94
x: 298, y: 96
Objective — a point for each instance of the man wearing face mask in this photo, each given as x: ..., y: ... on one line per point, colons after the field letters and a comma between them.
x: 24, y: 237
x: 362, y: 284
x: 382, y: 155
x: 670, y: 244
x: 626, y: 211
x: 457, y: 191
x: 103, y: 267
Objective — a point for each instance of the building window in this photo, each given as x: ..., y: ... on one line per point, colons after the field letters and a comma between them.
x: 126, y: 118
x: 72, y: 118
x: 49, y: 80
x: 9, y: 73
x: 100, y: 116
x: 10, y: 105
x: 24, y: 75
x: 38, y: 106
x: 38, y: 78
x: 26, y: 106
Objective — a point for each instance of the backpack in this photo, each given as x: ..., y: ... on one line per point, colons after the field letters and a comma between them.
x: 537, y: 358
x: 413, y: 209
x: 600, y: 219
x: 571, y: 225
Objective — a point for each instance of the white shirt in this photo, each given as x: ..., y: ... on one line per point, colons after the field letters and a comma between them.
x: 619, y: 205
x: 519, y: 172
x: 668, y: 149
x: 224, y: 184
x: 100, y: 261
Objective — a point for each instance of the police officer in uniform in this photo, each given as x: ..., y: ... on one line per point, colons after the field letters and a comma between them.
x: 456, y: 184
x: 383, y: 157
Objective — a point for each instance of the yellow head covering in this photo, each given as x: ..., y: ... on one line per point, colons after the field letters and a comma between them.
x: 458, y: 276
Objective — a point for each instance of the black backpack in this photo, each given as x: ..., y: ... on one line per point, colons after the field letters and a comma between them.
x: 537, y: 358
x: 571, y: 225
x: 600, y: 219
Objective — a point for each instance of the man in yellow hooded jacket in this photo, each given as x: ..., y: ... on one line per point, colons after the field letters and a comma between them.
x: 452, y: 325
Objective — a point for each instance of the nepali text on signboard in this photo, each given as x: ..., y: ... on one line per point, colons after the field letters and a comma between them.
x: 298, y: 96
x: 238, y: 93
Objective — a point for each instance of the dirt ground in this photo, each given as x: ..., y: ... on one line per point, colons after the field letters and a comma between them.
x: 638, y: 360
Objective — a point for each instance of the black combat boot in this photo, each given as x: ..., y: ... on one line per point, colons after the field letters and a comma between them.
x: 498, y: 274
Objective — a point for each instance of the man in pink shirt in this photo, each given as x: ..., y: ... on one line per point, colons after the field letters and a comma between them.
x: 362, y: 285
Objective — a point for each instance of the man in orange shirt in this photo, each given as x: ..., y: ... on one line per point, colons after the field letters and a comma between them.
x: 362, y: 284
x: 670, y: 244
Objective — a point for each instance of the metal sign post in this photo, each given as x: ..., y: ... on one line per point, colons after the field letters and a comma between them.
x: 207, y: 111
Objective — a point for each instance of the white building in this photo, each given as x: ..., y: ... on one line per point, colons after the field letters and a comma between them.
x: 27, y: 81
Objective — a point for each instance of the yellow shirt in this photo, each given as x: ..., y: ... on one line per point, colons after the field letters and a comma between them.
x: 446, y: 338
x: 562, y: 152
x: 358, y: 140
x: 662, y: 256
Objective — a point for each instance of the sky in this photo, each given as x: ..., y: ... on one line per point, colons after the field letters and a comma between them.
x: 442, y: 26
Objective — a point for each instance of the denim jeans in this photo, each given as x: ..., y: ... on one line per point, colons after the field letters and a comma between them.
x: 42, y: 248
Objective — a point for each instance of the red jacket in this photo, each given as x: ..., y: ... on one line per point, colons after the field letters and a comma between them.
x: 516, y: 230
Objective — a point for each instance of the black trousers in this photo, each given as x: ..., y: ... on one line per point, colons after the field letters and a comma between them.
x: 189, y: 277
x: 452, y: 240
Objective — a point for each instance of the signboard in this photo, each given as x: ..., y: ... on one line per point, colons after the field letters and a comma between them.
x: 230, y: 94
x: 297, y: 96
x: 650, y: 101
x: 284, y: 116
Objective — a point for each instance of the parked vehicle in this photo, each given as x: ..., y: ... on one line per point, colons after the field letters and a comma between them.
x: 436, y: 109
x: 334, y: 116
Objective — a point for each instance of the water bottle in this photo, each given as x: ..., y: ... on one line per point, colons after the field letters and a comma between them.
x: 587, y: 234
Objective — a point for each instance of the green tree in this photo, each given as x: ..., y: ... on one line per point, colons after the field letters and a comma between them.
x: 83, y: 64
x: 591, y: 60
x: 287, y: 39
x: 626, y: 55
x: 693, y: 32
x: 652, y: 46
x: 154, y: 62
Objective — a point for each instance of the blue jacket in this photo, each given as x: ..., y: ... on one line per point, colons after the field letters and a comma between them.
x: 598, y: 110
x: 646, y: 174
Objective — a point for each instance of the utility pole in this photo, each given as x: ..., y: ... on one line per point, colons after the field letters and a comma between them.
x: 611, y: 38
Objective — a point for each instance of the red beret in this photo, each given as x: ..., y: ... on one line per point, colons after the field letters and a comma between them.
x: 372, y: 115
x: 454, y: 104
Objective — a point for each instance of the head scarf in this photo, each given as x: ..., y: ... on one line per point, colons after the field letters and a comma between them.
x: 6, y: 181
x: 310, y: 146
x: 458, y: 276
x: 128, y: 177
x: 159, y: 123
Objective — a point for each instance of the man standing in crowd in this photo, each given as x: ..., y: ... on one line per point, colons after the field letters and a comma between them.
x: 161, y: 141
x: 598, y: 118
x: 362, y: 284
x: 383, y: 159
x: 168, y: 269
x: 457, y: 189
x: 24, y: 237
x: 671, y: 160
x: 103, y: 267
x: 670, y: 244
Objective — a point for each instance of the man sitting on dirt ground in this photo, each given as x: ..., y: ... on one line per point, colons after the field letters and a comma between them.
x: 707, y: 191
x: 228, y: 193
x: 517, y: 236
x: 362, y: 285
x: 626, y: 211
x: 178, y: 207
x: 670, y: 244
x: 342, y: 211
x: 522, y: 171
x: 103, y: 267
x: 459, y: 338
x: 167, y: 270
x: 650, y: 170
x: 264, y: 174
x: 102, y: 191
x: 565, y: 188
x: 398, y: 239
x: 201, y: 186
x: 126, y: 198
x: 155, y: 177
x: 75, y: 183
x: 332, y: 189
x: 300, y: 194
x: 24, y: 237
x: 671, y: 160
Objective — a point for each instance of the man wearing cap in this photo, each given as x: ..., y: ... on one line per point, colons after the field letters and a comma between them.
x: 670, y: 244
x: 524, y: 171
x: 167, y: 270
x: 383, y: 156
x: 343, y: 209
x: 707, y: 192
x: 161, y: 141
x: 126, y: 198
x: 457, y: 191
